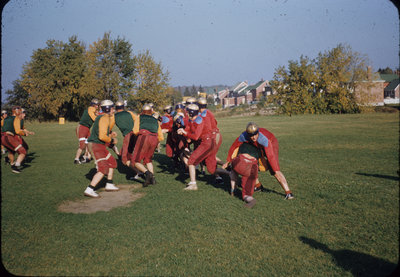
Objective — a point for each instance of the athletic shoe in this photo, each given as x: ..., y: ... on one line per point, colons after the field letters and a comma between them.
x: 260, y: 188
x: 15, y: 169
x: 137, y: 177
x: 7, y: 160
x: 77, y: 162
x: 87, y: 160
x: 289, y: 196
x: 111, y: 187
x: 91, y: 193
x: 191, y: 186
x: 153, y: 180
x: 148, y: 178
x: 251, y: 203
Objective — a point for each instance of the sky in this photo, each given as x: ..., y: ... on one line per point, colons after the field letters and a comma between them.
x: 204, y: 42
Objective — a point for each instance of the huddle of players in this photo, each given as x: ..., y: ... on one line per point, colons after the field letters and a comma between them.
x: 193, y: 139
x: 12, y: 133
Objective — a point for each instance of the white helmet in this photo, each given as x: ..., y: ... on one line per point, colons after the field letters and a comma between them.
x: 106, y: 105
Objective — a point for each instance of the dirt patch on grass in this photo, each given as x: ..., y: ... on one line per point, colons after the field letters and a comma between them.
x: 106, y: 202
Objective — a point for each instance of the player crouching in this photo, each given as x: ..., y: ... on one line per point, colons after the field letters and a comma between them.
x: 101, y: 137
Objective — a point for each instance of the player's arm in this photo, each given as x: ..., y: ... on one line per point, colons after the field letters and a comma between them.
x: 103, y: 128
x: 17, y: 127
x: 92, y: 113
x: 160, y: 133
x: 235, y: 145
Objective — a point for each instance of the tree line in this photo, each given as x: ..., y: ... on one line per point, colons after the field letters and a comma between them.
x: 325, y: 84
x: 62, y: 78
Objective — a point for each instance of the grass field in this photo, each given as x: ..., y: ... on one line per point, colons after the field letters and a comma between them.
x: 344, y: 221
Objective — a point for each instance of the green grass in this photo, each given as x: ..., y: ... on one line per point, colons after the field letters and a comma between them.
x: 343, y: 170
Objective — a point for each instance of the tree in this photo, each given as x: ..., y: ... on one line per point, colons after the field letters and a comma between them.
x: 173, y: 96
x: 294, y: 86
x: 340, y: 69
x: 186, y: 92
x: 324, y: 85
x: 111, y: 68
x: 151, y: 82
x: 53, y: 76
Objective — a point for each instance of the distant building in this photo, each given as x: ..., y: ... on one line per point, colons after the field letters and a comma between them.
x: 370, y: 92
x: 391, y: 90
x: 242, y: 93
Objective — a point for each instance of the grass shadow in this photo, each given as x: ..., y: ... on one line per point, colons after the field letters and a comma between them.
x: 126, y: 170
x: 394, y: 178
x: 359, y: 264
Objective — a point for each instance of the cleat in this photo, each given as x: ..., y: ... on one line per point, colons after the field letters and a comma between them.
x: 87, y: 160
x: 77, y: 162
x: 15, y: 169
x: 148, y: 178
x: 289, y: 196
x: 191, y: 186
x: 111, y: 187
x: 7, y: 160
x: 251, y: 203
x: 91, y: 193
x: 153, y: 180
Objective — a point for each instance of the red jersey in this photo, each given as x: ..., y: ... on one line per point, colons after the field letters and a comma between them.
x: 198, y: 128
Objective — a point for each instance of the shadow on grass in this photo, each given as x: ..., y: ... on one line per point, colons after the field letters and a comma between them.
x: 167, y: 165
x: 394, y: 178
x: 126, y: 170
x: 359, y: 264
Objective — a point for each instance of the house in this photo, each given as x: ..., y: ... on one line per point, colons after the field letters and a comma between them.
x: 370, y: 92
x: 391, y: 92
x: 243, y: 93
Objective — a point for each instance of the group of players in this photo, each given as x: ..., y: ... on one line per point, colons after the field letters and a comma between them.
x: 12, y: 133
x: 193, y: 140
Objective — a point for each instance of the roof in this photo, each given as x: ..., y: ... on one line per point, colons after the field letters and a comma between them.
x: 393, y: 84
x: 389, y: 77
x: 255, y: 86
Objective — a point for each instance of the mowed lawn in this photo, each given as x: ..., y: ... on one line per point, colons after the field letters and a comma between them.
x: 344, y: 220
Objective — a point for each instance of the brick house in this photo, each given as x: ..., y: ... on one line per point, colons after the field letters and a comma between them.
x: 370, y: 92
x: 242, y: 93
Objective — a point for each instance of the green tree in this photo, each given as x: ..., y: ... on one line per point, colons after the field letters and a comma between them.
x: 52, y: 78
x: 173, y: 96
x: 151, y: 82
x: 186, y: 92
x: 294, y: 86
x: 340, y: 69
x: 324, y: 85
x: 111, y: 68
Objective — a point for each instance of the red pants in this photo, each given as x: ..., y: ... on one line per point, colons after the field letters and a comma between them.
x: 145, y: 145
x: 83, y: 133
x: 127, y: 147
x: 205, y: 152
x: 248, y: 168
x: 13, y: 144
x: 103, y: 159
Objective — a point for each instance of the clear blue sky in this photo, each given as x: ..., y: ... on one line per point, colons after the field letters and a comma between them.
x: 206, y: 42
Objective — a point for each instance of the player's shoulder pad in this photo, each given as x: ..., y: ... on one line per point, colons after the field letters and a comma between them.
x: 165, y: 119
x: 198, y: 120
x: 243, y: 137
x: 263, y: 140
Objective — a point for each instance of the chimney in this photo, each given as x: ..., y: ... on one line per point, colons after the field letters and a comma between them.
x: 369, y: 73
